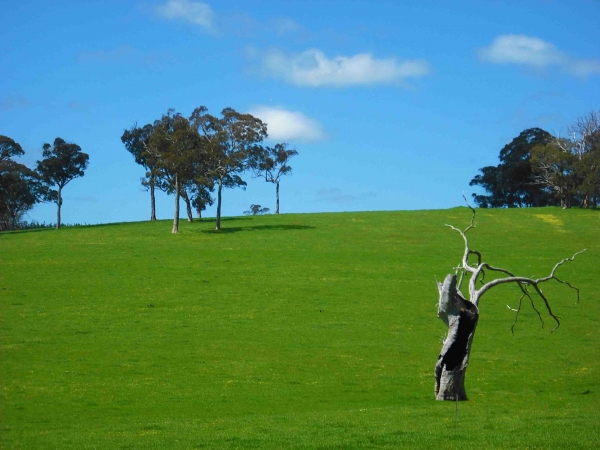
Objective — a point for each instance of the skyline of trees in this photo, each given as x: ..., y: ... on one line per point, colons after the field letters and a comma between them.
x: 538, y: 169
x: 21, y: 187
x: 192, y: 157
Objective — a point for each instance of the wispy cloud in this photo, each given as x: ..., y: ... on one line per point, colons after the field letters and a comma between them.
x: 284, y: 125
x: 16, y: 102
x: 196, y: 13
x: 535, y: 53
x: 313, y: 68
x: 337, y: 195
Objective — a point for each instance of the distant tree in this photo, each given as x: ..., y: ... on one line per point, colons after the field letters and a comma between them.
x: 230, y: 139
x: 20, y: 187
x: 272, y: 163
x: 512, y: 183
x: 570, y: 166
x: 62, y: 163
x: 201, y: 197
x: 178, y: 151
x: 137, y: 141
x: 256, y: 210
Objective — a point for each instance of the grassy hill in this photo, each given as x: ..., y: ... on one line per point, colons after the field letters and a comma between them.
x: 296, y: 331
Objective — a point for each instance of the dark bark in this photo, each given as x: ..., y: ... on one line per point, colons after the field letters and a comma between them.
x: 460, y: 316
x: 58, y: 204
x: 277, y: 197
x: 176, y: 218
x: 218, y: 226
x: 152, y: 200
x: 188, y: 205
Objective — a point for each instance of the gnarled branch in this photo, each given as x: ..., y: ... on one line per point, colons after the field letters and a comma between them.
x: 523, y: 282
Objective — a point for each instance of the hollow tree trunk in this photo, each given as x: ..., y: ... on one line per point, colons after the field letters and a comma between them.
x: 152, y: 200
x: 461, y: 317
x: 176, y: 218
x: 188, y: 205
x: 218, y: 226
x: 277, y: 197
x: 58, y: 204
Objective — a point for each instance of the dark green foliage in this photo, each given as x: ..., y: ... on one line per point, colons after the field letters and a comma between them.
x: 230, y: 140
x: 256, y: 210
x: 63, y: 162
x: 20, y: 187
x: 137, y: 142
x: 272, y: 163
x: 512, y: 182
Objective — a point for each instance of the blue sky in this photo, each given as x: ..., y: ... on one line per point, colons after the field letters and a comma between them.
x: 391, y: 104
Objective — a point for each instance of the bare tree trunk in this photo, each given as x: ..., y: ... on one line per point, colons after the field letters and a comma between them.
x: 176, y: 218
x: 277, y: 197
x: 152, y: 200
x: 199, y: 212
x: 218, y: 226
x: 188, y: 205
x: 58, y: 204
x: 461, y: 317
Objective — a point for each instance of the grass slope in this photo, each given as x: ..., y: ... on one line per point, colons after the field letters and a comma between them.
x: 296, y: 331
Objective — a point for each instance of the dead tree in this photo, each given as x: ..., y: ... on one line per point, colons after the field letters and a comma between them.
x: 461, y: 315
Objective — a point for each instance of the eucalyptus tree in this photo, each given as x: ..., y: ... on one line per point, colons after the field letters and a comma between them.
x: 512, y: 183
x: 20, y: 187
x: 137, y: 142
x: 272, y: 163
x: 62, y: 163
x: 461, y: 315
x: 230, y: 140
x: 570, y: 166
x: 179, y: 152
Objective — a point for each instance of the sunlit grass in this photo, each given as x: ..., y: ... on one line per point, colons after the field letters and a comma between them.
x: 296, y: 331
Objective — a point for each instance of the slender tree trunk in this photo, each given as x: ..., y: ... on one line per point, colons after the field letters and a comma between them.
x: 460, y: 316
x: 58, y: 204
x: 176, y: 218
x: 188, y: 205
x: 218, y: 227
x: 152, y: 200
x: 277, y: 197
x: 199, y: 212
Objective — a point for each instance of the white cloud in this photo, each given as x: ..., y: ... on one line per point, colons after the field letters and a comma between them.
x: 284, y: 125
x: 197, y: 13
x: 313, y: 68
x: 535, y: 53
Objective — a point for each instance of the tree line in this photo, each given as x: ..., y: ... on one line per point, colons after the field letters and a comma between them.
x: 539, y: 169
x: 21, y: 187
x: 192, y: 157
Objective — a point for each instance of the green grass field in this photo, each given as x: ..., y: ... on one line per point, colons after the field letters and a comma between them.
x: 292, y: 331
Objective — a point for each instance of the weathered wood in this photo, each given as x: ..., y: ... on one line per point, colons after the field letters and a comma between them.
x: 460, y: 316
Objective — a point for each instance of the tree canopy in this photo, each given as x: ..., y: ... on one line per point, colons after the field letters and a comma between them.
x: 63, y: 162
x: 512, y: 182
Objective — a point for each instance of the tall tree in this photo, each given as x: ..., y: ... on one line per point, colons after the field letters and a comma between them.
x: 229, y: 141
x: 570, y: 166
x: 272, y: 163
x: 137, y: 141
x: 178, y: 151
x: 63, y: 162
x: 20, y: 187
x: 512, y: 183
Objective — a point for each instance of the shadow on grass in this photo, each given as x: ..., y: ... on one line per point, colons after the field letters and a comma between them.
x: 258, y: 228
